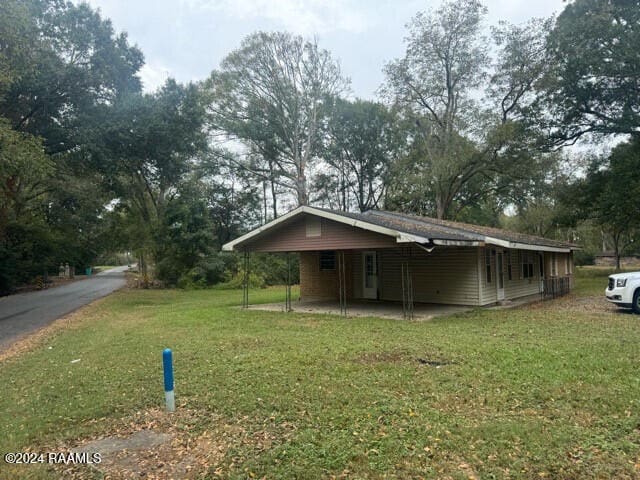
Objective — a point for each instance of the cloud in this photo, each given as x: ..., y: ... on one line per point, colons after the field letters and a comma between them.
x: 305, y: 17
x: 152, y: 76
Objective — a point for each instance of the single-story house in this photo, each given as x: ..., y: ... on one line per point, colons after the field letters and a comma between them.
x: 608, y: 259
x: 387, y: 256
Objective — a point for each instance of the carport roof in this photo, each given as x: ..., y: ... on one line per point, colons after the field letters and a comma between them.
x: 408, y: 228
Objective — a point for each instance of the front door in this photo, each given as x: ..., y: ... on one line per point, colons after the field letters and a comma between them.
x: 500, y: 274
x: 369, y: 275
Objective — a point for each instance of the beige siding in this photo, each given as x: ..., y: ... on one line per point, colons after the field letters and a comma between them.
x: 488, y: 291
x: 564, y: 265
x: 519, y: 286
x: 516, y: 287
x: 446, y: 275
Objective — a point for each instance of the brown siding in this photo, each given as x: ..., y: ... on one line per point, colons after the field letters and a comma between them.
x: 292, y: 237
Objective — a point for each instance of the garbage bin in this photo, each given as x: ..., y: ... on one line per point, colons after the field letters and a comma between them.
x: 88, y: 271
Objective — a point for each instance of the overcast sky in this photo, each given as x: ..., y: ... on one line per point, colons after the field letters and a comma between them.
x: 186, y: 39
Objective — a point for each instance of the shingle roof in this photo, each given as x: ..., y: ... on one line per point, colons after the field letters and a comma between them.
x: 412, y: 228
x: 447, y: 230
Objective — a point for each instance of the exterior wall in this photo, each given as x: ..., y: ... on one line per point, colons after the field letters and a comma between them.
x: 519, y: 286
x: 356, y: 265
x: 316, y: 284
x: 301, y: 235
x: 564, y: 265
x: 447, y: 275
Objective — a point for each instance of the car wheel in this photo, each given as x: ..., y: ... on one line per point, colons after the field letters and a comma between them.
x: 636, y: 302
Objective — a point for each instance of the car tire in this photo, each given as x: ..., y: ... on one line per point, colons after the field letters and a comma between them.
x: 636, y: 302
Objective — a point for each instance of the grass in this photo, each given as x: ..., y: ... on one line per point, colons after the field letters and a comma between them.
x: 548, y: 390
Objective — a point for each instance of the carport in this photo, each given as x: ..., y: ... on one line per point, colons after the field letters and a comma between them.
x: 391, y: 262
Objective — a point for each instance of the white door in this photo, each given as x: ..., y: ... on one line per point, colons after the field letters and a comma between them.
x: 500, y: 274
x: 369, y: 275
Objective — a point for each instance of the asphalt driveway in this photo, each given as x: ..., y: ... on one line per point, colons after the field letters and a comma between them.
x: 27, y: 312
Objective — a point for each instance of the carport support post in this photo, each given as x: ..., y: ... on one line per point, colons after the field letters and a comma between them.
x: 287, y: 301
x: 407, y: 290
x: 245, y: 281
x: 342, y: 283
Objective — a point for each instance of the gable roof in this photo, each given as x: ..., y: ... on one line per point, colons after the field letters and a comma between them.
x: 408, y: 228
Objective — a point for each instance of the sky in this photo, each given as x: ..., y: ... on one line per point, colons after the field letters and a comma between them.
x: 187, y: 39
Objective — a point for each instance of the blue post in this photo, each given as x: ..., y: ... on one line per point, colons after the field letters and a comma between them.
x: 169, y: 395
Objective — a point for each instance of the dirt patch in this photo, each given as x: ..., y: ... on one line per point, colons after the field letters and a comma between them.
x: 185, y: 444
x: 585, y: 304
x: 369, y: 358
x: 432, y: 363
x: 155, y: 445
x: 372, y: 358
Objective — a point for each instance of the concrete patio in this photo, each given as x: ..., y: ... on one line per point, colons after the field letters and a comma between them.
x: 367, y: 308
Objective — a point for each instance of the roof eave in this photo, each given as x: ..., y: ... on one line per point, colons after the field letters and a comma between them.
x: 526, y: 246
x: 401, y: 237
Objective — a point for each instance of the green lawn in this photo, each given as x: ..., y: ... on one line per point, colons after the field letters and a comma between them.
x: 548, y: 390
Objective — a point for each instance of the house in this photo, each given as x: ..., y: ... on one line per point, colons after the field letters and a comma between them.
x: 608, y: 259
x: 386, y: 256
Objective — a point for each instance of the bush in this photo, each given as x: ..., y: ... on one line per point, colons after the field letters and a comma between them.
x: 209, y: 271
x: 271, y: 267
x: 580, y: 257
x: 256, y: 280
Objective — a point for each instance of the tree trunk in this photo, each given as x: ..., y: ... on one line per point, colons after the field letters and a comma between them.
x: 441, y: 208
x: 301, y: 190
x: 274, y: 199
x: 616, y: 249
x: 264, y: 201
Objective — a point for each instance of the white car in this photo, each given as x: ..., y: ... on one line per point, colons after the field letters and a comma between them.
x: 624, y: 290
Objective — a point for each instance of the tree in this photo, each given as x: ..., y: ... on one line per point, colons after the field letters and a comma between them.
x: 592, y: 86
x: 270, y: 95
x: 609, y: 194
x: 456, y: 140
x: 446, y: 59
x: 59, y: 64
x: 76, y: 63
x: 146, y: 148
x: 363, y: 141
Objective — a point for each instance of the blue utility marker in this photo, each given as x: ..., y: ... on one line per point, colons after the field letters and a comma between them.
x: 169, y: 395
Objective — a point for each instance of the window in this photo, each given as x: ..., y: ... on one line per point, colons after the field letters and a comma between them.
x: 327, y: 260
x: 554, y: 265
x: 509, y: 266
x: 487, y: 263
x: 566, y: 264
x: 526, y: 259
